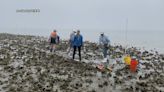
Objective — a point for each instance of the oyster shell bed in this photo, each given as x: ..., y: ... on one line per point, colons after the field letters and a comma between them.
x: 26, y: 65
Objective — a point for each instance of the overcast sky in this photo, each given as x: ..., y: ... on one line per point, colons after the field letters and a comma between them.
x: 86, y: 14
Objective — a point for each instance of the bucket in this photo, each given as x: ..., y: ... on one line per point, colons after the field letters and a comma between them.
x: 127, y: 60
x: 133, y: 65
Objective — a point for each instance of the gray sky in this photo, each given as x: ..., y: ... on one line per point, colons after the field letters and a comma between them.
x: 86, y: 14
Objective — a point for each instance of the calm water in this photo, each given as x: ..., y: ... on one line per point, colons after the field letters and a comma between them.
x: 142, y: 39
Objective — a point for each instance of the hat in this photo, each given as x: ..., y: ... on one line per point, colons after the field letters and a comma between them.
x: 102, y: 33
x: 73, y: 30
x: 54, y: 30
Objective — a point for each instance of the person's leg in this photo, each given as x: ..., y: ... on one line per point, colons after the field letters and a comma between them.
x: 54, y: 47
x: 105, y: 52
x: 70, y: 48
x: 51, y: 47
x: 74, y: 51
x: 79, y: 49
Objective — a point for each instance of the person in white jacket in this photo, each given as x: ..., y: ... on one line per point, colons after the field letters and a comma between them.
x: 72, y: 35
x: 104, y: 43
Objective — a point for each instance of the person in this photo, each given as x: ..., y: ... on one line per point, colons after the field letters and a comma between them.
x: 53, y: 40
x: 77, y: 43
x: 104, y: 42
x: 72, y: 35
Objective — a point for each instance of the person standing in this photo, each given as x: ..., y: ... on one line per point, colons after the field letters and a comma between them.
x: 53, y: 40
x: 104, y: 42
x: 77, y: 44
x: 72, y: 35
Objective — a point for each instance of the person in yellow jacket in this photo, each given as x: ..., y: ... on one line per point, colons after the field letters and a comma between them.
x: 53, y: 40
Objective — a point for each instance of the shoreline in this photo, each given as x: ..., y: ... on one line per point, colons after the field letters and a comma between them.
x: 142, y: 48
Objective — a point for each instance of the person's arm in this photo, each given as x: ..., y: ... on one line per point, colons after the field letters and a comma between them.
x: 73, y: 39
x: 108, y: 40
x: 100, y: 41
x: 58, y: 39
x: 49, y: 39
x: 82, y: 41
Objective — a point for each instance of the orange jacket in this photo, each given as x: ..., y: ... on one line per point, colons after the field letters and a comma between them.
x: 53, y: 34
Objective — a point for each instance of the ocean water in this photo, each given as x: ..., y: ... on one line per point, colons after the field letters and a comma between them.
x: 144, y: 39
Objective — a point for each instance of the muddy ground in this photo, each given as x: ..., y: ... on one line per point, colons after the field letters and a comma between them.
x: 26, y: 65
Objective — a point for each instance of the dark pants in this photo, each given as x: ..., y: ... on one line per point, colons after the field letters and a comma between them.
x: 105, y: 50
x: 74, y: 51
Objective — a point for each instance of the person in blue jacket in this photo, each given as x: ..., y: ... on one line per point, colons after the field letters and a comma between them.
x: 77, y: 43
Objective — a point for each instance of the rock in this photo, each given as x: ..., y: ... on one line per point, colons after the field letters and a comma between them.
x: 105, y: 83
x: 89, y: 81
x: 100, y: 86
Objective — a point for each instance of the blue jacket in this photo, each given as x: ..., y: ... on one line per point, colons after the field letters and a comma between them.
x: 78, y: 40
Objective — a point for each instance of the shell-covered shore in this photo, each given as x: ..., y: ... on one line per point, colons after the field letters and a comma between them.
x: 26, y: 65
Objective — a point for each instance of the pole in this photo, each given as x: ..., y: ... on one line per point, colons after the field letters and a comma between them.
x: 126, y: 35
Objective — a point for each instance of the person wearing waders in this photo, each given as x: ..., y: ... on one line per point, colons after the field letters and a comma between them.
x: 72, y: 35
x: 104, y: 43
x: 77, y: 44
x: 53, y: 40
